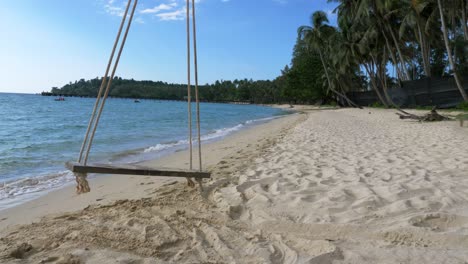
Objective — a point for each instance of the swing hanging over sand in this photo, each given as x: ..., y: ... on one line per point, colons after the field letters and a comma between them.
x: 81, y: 168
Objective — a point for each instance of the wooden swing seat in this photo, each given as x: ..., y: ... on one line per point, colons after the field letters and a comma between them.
x: 131, y: 169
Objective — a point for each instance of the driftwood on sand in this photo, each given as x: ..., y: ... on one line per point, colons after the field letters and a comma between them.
x: 432, y: 116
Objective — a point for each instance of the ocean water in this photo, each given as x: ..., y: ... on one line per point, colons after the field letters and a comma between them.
x: 38, y: 135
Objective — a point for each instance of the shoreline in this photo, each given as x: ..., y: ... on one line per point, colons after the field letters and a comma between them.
x: 29, y: 188
x: 108, y: 188
x: 335, y: 186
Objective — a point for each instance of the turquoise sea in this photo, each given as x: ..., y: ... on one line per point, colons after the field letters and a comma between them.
x: 38, y: 135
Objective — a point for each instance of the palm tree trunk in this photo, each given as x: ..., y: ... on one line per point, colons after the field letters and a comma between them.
x: 449, y: 53
x: 397, y: 46
x: 402, y: 72
x: 424, y: 50
x: 324, y: 67
x: 374, y: 84
x: 394, y: 60
x: 344, y: 96
x: 382, y: 75
x: 464, y: 21
x: 330, y: 84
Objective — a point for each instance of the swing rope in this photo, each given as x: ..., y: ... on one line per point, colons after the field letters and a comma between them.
x: 189, y: 96
x: 106, y: 94
x: 82, y: 183
x: 196, y: 84
x: 103, y: 84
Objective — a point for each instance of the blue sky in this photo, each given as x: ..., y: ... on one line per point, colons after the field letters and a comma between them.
x: 49, y: 43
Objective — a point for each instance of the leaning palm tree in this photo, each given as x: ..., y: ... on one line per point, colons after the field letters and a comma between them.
x: 317, y: 37
x: 449, y: 52
x: 380, y: 11
x: 359, y: 34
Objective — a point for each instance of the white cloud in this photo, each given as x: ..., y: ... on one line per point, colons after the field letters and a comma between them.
x: 167, y: 10
x: 159, y: 8
x: 114, y: 9
x: 174, y: 15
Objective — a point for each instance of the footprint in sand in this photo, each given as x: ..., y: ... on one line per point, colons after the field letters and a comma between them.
x: 439, y: 222
x: 328, y: 182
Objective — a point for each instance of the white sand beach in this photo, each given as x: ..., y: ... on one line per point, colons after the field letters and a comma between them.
x: 323, y: 186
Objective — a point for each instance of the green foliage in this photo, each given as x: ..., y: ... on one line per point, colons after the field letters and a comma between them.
x: 330, y: 104
x: 418, y: 107
x: 462, y: 117
x: 303, y: 81
x: 424, y: 38
x: 463, y: 106
x: 261, y: 92
x: 377, y: 105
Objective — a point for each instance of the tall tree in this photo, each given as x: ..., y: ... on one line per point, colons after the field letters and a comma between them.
x: 317, y: 37
x: 449, y: 52
x: 414, y: 18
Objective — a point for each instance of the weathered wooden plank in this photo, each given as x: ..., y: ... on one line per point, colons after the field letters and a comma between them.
x: 134, y: 170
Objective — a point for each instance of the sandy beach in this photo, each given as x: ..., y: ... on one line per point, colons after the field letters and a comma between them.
x: 321, y: 186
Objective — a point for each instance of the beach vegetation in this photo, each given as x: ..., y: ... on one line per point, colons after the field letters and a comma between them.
x: 390, y: 42
x: 463, y: 106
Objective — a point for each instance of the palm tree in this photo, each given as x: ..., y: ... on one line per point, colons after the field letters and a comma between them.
x: 413, y: 18
x: 381, y: 10
x: 371, y: 28
x: 449, y: 52
x: 317, y: 37
x: 360, y: 38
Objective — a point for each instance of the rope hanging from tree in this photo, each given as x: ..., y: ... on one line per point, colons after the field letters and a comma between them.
x: 82, y: 168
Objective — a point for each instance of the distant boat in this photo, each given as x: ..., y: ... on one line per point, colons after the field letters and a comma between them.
x: 136, y: 101
x: 60, y: 99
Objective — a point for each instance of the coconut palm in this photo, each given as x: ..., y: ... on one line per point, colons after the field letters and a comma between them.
x: 381, y: 11
x: 449, y: 51
x: 369, y: 24
x: 413, y: 18
x: 317, y: 37
x: 359, y: 39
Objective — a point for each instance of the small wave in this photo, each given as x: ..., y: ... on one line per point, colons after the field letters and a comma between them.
x: 19, y: 187
x: 160, y: 147
x: 222, y: 132
x: 219, y: 133
x: 261, y: 120
x: 214, y: 135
